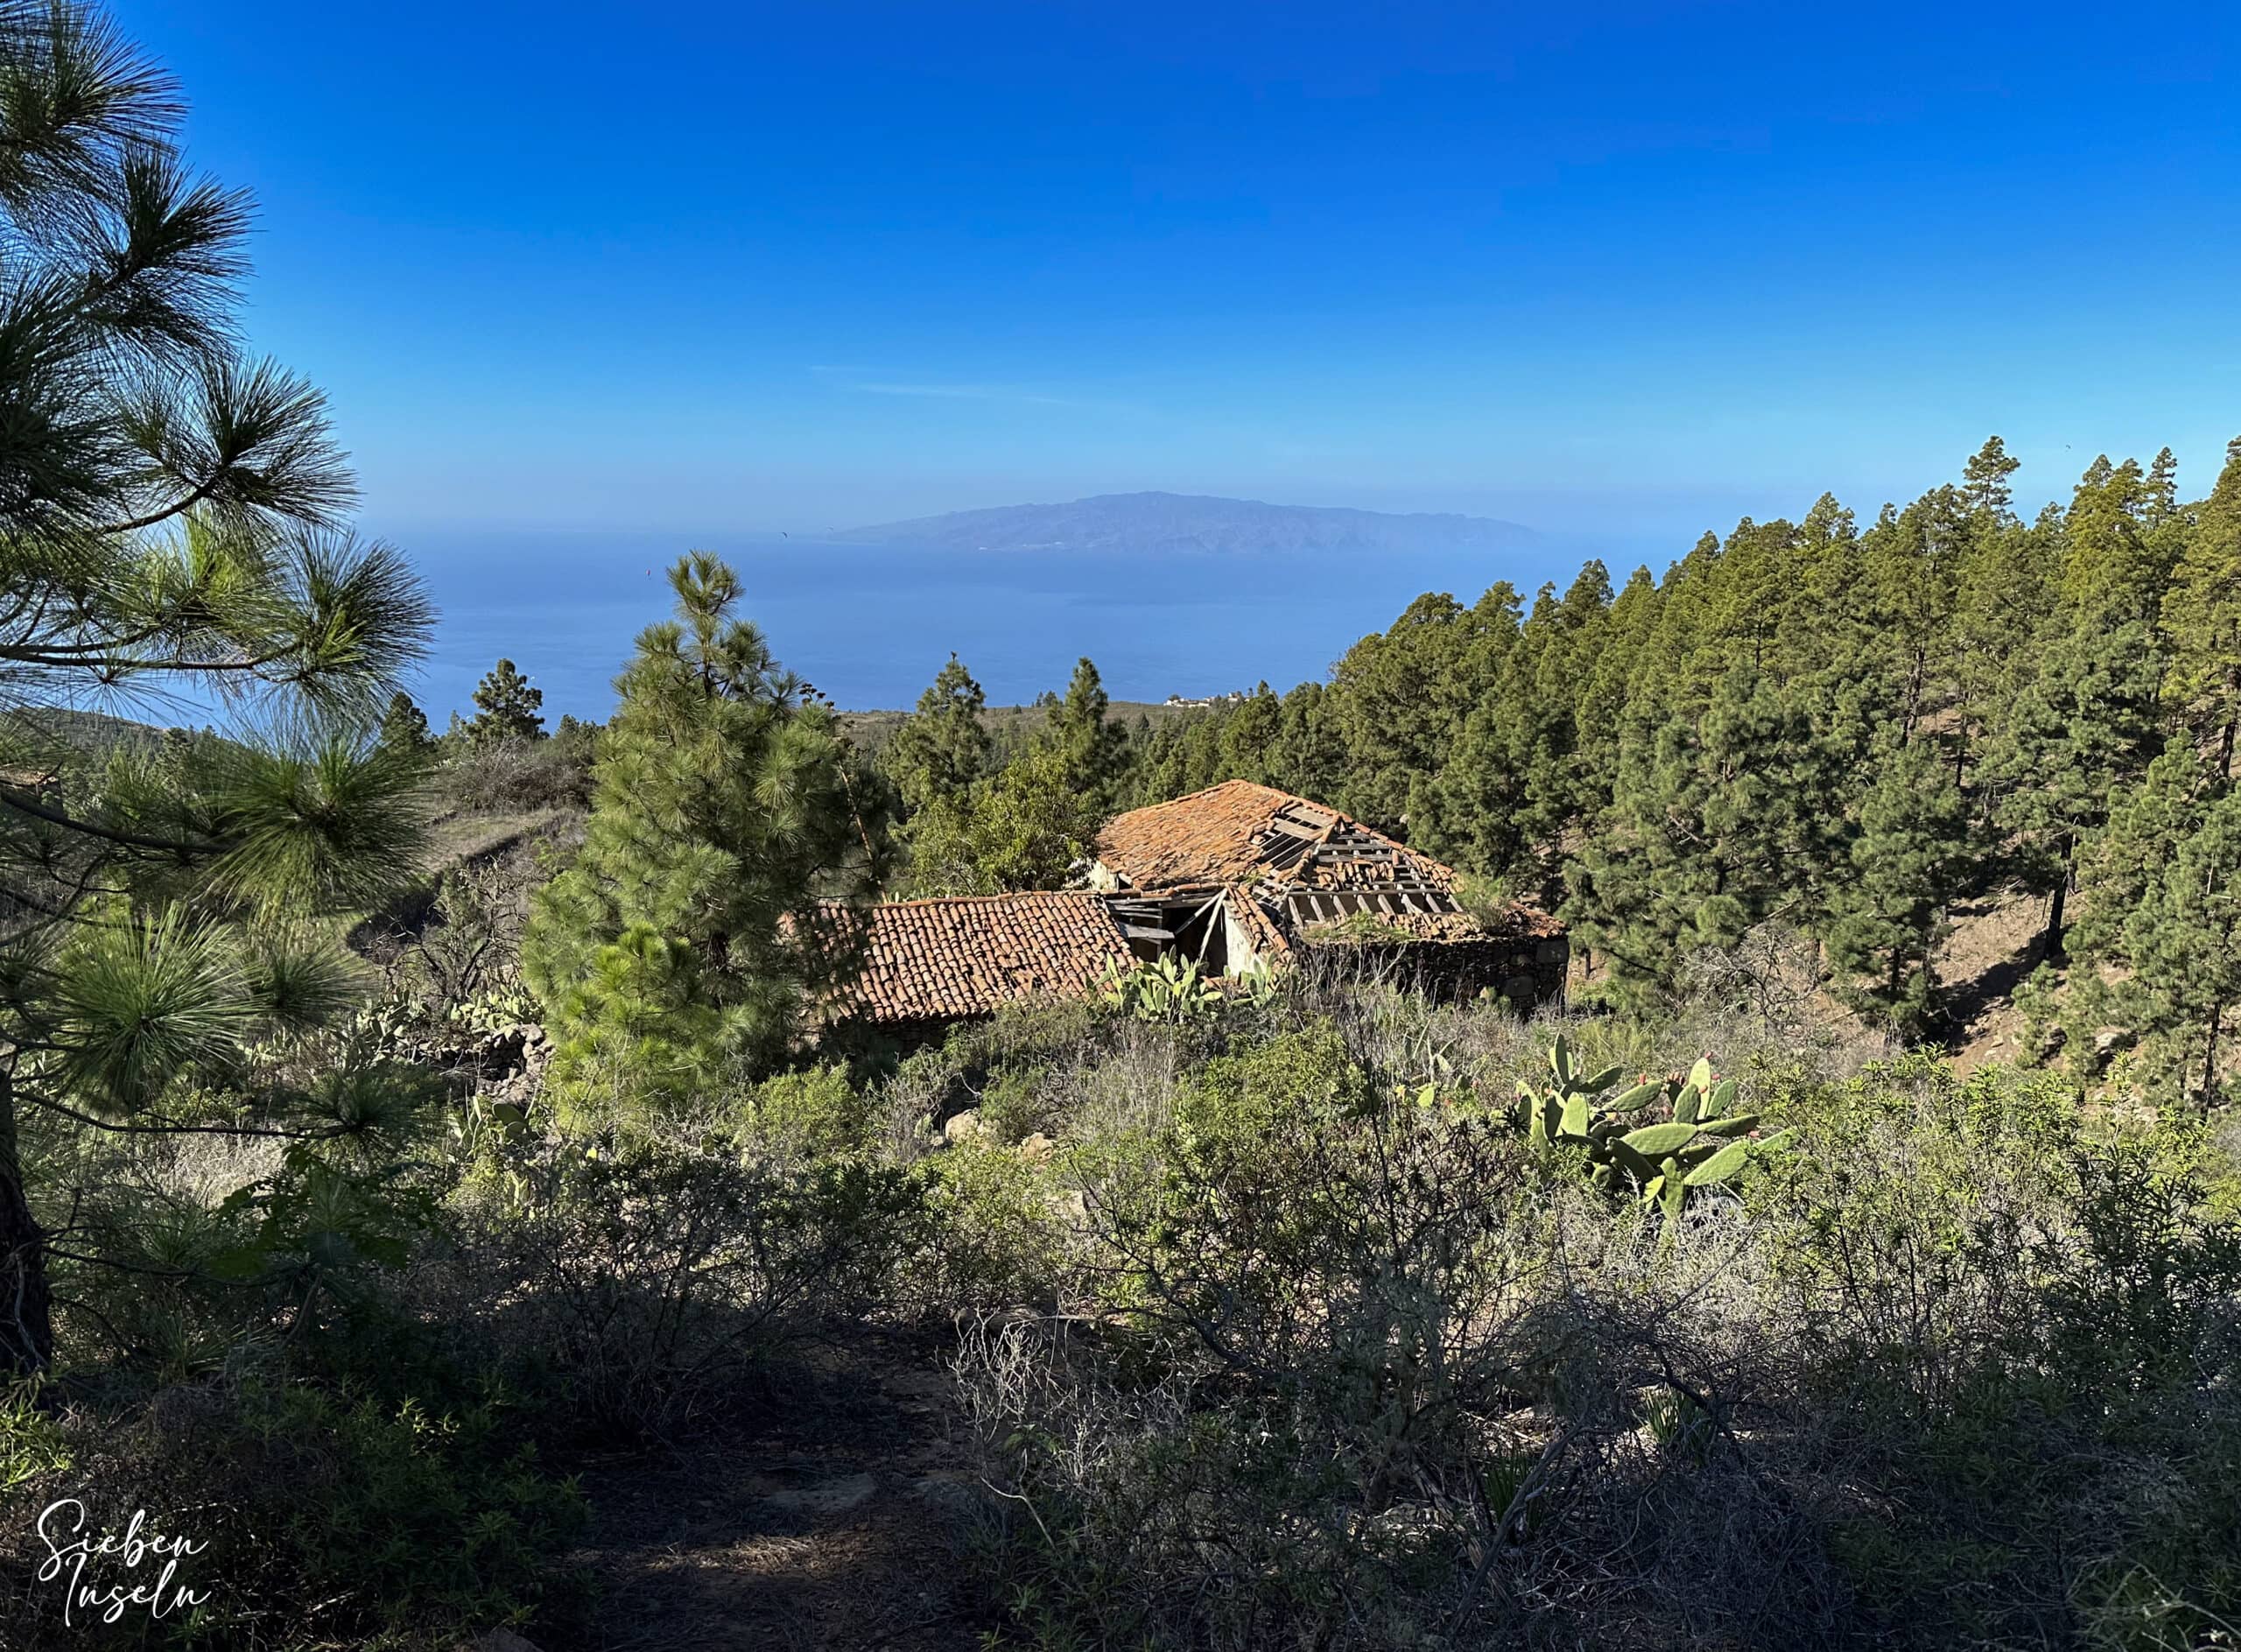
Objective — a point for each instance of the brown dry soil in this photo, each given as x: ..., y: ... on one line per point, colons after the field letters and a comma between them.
x: 839, y: 1521
x: 1992, y: 948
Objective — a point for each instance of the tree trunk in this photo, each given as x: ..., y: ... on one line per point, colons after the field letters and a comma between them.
x: 2053, y: 948
x: 27, y: 1327
x: 2210, y: 1059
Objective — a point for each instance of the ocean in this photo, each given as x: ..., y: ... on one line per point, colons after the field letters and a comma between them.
x: 870, y: 625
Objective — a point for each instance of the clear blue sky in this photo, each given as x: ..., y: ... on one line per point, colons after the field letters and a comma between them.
x: 1613, y: 268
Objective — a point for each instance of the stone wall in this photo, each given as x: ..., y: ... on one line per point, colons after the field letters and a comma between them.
x: 1526, y: 970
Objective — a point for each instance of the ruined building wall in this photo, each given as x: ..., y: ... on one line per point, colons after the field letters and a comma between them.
x: 1526, y: 970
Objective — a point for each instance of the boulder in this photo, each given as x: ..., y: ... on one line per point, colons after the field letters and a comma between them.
x: 501, y: 1640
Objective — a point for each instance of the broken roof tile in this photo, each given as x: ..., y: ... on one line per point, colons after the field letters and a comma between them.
x: 1238, y: 831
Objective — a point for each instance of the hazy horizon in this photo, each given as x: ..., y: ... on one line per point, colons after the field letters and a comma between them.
x: 1629, y: 271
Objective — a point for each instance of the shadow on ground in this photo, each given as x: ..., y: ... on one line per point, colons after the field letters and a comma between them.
x: 840, y: 1523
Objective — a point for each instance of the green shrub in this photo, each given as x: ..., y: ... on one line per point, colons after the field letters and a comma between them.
x: 999, y: 1235
x: 400, y: 1513
x: 1311, y: 1285
x: 1268, y: 1101
x: 380, y: 1497
x: 641, y: 1283
x: 810, y: 1112
x: 1012, y: 1107
x: 2013, y: 1321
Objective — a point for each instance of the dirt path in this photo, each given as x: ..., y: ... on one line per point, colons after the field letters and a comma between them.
x: 838, y: 1526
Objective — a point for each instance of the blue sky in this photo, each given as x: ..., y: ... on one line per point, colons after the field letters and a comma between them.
x: 1628, y: 269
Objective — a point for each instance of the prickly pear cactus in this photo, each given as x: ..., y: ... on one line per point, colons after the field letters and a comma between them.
x: 1703, y: 1142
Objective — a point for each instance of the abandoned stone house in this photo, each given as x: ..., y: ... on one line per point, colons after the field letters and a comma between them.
x: 1236, y: 878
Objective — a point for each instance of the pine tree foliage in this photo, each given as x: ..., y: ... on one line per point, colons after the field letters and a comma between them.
x: 507, y: 707
x: 1089, y: 745
x: 690, y: 941
x: 169, y: 532
x: 975, y: 827
x: 2202, y: 615
x: 1847, y: 730
x: 2083, y: 727
x: 938, y: 763
x: 944, y: 750
x: 2182, y: 942
x: 404, y: 724
x: 1909, y: 858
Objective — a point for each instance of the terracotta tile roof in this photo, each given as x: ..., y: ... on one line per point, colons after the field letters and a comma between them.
x: 1262, y: 932
x: 1238, y: 832
x: 968, y: 955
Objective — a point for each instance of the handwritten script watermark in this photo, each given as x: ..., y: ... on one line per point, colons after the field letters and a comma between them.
x: 110, y: 1574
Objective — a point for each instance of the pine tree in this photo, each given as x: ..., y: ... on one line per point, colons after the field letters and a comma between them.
x: 1911, y: 857
x: 1673, y: 673
x: 942, y: 751
x: 506, y: 706
x: 1478, y: 811
x: 1514, y: 780
x: 405, y: 725
x: 2160, y: 500
x: 938, y: 761
x: 2120, y: 864
x: 1030, y: 826
x: 1752, y: 597
x: 2084, y: 727
x: 1092, y: 748
x: 1305, y: 757
x: 1395, y: 702
x: 2005, y: 604
x: 2202, y: 617
x: 2115, y: 568
x: 1913, y: 560
x: 2183, y: 945
x: 168, y: 528
x: 1833, y: 628
x: 1599, y: 706
x: 1250, y: 733
x: 683, y: 949
x: 1984, y: 479
x: 2084, y: 724
x: 1720, y: 823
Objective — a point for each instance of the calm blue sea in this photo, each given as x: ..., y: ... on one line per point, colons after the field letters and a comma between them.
x: 871, y: 625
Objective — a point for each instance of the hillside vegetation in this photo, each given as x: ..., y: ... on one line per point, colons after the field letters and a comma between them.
x: 1852, y: 733
x: 438, y: 1207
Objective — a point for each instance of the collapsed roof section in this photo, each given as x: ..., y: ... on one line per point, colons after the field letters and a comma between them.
x: 1306, y: 866
x: 1231, y: 879
x: 1240, y: 833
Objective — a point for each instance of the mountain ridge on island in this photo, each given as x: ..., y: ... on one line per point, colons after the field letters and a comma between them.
x: 1170, y: 521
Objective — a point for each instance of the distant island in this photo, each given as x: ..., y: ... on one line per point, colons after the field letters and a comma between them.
x: 1174, y: 522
